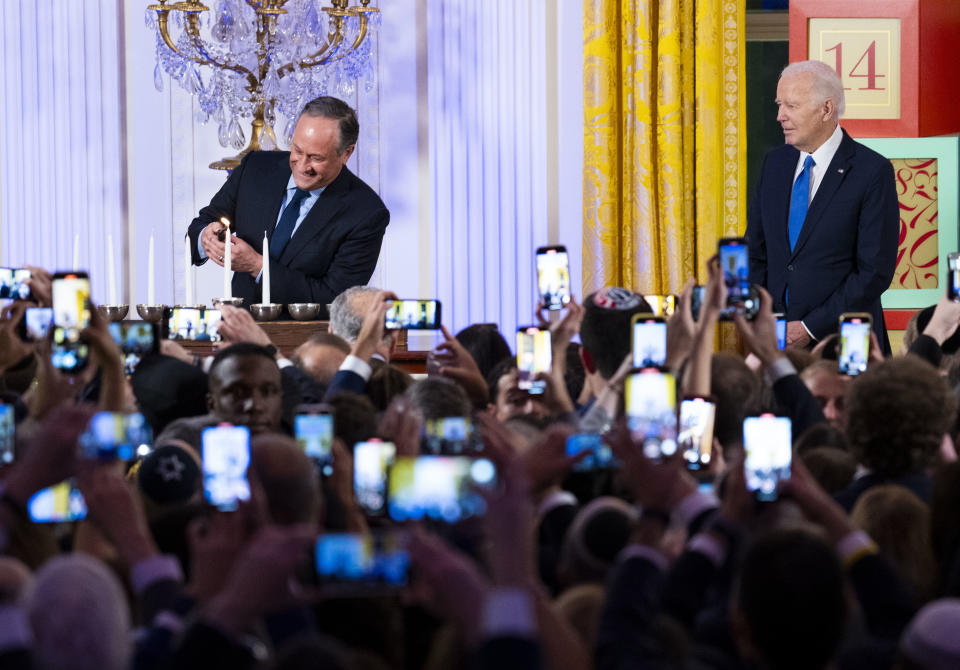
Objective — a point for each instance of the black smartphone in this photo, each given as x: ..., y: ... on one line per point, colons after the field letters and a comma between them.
x: 534, y: 356
x: 441, y: 488
x: 649, y: 340
x: 7, y: 434
x: 768, y: 442
x: 59, y: 503
x: 71, y: 314
x: 358, y: 564
x: 36, y: 324
x: 553, y: 276
x: 194, y: 324
x: 371, y: 460
x: 225, y: 457
x: 748, y: 308
x: 695, y: 436
x: 599, y: 454
x: 735, y: 261
x: 651, y: 411
x: 781, y: 331
x: 13, y: 284
x: 413, y: 315
x: 662, y: 305
x: 114, y: 436
x: 953, y: 277
x: 136, y: 339
x: 313, y: 430
x: 854, y: 343
x: 449, y: 436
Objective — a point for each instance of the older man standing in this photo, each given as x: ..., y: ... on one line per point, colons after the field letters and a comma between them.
x: 823, y: 225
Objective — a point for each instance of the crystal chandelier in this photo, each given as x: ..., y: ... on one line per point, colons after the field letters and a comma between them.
x: 262, y: 60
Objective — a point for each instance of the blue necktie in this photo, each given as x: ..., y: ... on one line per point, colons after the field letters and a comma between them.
x: 799, y: 200
x: 284, y: 229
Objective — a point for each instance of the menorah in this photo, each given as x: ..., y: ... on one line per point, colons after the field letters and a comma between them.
x: 266, y: 58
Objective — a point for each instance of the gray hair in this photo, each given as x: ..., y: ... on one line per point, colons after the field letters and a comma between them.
x: 345, y: 320
x: 826, y: 82
x: 328, y: 107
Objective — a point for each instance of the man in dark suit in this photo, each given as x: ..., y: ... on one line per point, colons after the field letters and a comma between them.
x: 823, y: 226
x: 323, y: 223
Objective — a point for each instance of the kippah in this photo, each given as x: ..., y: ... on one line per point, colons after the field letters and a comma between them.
x: 168, y: 475
x: 614, y: 297
x: 931, y: 639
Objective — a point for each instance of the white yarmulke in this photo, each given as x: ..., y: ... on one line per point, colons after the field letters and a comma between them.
x: 931, y: 639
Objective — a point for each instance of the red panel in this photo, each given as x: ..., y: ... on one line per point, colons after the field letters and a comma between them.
x: 896, y: 319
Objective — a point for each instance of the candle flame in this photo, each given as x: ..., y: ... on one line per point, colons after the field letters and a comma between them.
x: 225, y: 221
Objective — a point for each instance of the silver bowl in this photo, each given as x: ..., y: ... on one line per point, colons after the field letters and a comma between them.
x: 113, y: 312
x: 190, y: 306
x: 219, y: 302
x: 151, y: 313
x: 265, y: 311
x: 303, y: 311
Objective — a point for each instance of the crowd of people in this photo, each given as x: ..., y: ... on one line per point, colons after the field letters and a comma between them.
x: 641, y: 565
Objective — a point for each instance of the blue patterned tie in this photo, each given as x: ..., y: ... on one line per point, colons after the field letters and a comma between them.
x: 799, y: 201
x: 284, y: 229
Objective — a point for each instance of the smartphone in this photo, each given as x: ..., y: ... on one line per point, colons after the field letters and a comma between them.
x: 116, y: 436
x: 413, y: 315
x: 71, y: 314
x: 361, y: 563
x: 7, y: 434
x: 781, y: 331
x: 662, y: 305
x: 734, y: 259
x: 371, y: 461
x: 313, y: 430
x: 36, y: 324
x: 449, y: 436
x: 748, y: 308
x: 13, y: 284
x: 695, y: 436
x: 768, y: 442
x: 953, y: 277
x: 600, y: 455
x: 441, y: 488
x: 136, y: 339
x: 553, y: 276
x: 649, y: 340
x: 225, y: 457
x: 651, y: 411
x: 62, y: 502
x: 534, y: 356
x: 854, y: 343
x: 194, y: 324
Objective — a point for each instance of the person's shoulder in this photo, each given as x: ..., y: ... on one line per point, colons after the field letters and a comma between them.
x: 357, y: 189
x: 863, y: 154
x: 265, y: 159
x: 785, y: 153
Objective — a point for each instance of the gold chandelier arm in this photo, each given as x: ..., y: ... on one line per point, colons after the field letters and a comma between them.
x: 193, y: 32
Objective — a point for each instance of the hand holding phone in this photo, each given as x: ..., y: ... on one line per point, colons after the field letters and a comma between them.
x: 313, y: 430
x: 649, y: 340
x: 553, y: 276
x: 194, y: 324
x: 226, y: 457
x: 695, y: 438
x: 651, y: 412
x: 953, y: 277
x: 768, y: 442
x: 71, y: 314
x: 361, y: 563
x: 854, y: 343
x: 371, y: 461
x: 534, y: 357
x: 413, y: 315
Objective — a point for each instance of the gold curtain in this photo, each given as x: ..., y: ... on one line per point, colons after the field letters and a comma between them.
x: 664, y: 139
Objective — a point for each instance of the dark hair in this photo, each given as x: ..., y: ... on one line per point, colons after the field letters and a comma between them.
x: 821, y: 435
x: 605, y: 332
x: 737, y: 391
x: 328, y: 107
x: 898, y: 413
x: 238, y: 349
x: 354, y: 418
x: 439, y: 397
x: 575, y: 376
x: 386, y: 383
x: 832, y: 468
x: 791, y: 595
x: 485, y: 344
x: 493, y: 377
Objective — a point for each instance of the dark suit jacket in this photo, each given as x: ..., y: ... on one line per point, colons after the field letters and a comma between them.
x: 847, y: 250
x: 335, y: 247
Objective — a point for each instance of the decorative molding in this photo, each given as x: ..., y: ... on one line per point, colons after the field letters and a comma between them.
x: 767, y: 26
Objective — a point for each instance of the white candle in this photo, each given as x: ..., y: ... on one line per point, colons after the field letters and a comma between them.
x: 76, y: 252
x: 151, y: 285
x: 265, y: 279
x: 227, y: 261
x: 112, y: 271
x: 187, y: 272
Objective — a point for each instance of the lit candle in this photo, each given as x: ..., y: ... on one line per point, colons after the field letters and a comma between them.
x: 76, y: 252
x: 265, y: 279
x: 188, y: 272
x: 227, y: 261
x: 151, y: 287
x: 112, y: 271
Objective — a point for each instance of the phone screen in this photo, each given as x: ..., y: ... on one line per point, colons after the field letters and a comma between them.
x: 37, y: 323
x: 651, y: 412
x: 370, y: 463
x: 413, y: 315
x: 735, y: 262
x: 136, y: 339
x: 553, y: 276
x: 191, y: 323
x: 768, y: 441
x: 442, y: 488
x: 314, y: 434
x: 13, y: 284
x: 662, y: 305
x: 59, y: 503
x: 226, y: 456
x: 953, y: 277
x: 854, y: 345
x: 781, y: 332
x: 649, y: 341
x: 361, y: 561
x: 600, y: 455
x: 7, y: 433
x: 115, y: 435
x: 451, y: 435
x: 534, y: 357
x: 696, y: 432
x: 71, y: 314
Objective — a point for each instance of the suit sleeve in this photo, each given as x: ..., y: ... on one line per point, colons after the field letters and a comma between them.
x: 756, y: 242
x: 222, y: 204
x: 877, y: 233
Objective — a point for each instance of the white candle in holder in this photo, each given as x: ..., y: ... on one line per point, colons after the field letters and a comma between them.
x: 265, y: 277
x: 227, y: 260
x: 112, y: 271
x: 151, y: 285
x: 187, y: 272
